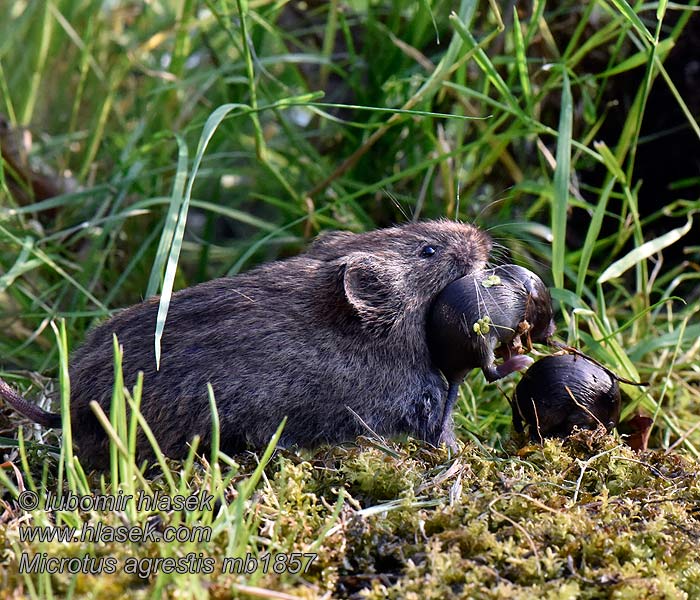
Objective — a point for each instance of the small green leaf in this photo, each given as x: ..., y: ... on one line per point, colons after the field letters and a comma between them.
x: 610, y: 161
x: 491, y: 280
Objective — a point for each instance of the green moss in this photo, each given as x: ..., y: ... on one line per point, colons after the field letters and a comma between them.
x: 531, y: 526
x: 583, y: 518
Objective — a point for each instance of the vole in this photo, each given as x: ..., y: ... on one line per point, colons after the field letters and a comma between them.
x: 334, y: 339
x: 488, y: 313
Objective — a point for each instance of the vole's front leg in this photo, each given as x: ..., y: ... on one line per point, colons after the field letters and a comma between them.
x: 446, y: 431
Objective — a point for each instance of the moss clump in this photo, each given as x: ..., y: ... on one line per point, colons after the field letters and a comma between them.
x: 374, y: 473
x: 584, y: 518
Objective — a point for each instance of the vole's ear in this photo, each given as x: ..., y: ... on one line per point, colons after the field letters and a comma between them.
x: 375, y: 290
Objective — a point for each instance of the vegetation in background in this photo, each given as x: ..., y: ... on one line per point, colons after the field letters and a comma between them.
x: 218, y: 134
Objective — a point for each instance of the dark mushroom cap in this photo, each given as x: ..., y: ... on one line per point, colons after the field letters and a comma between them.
x: 476, y: 313
x: 538, y: 309
x: 561, y: 391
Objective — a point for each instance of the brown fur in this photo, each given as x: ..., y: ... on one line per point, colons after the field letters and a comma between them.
x: 337, y: 330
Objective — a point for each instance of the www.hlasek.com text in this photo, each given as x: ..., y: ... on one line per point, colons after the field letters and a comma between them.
x: 150, y: 532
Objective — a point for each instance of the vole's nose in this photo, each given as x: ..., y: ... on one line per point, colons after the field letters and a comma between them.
x: 480, y: 248
x: 474, y: 255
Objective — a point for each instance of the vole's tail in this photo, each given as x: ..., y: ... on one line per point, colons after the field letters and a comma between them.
x: 29, y: 410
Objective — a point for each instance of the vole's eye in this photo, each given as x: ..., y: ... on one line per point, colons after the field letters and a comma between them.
x: 428, y: 251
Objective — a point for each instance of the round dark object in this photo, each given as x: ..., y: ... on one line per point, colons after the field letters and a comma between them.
x: 494, y: 311
x: 561, y: 391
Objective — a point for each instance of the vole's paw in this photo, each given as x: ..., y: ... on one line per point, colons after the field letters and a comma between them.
x: 449, y: 439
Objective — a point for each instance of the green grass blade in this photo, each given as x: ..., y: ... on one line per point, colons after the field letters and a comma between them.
x: 171, y: 219
x: 521, y: 61
x: 426, y: 7
x: 50, y: 262
x: 638, y: 59
x: 485, y: 64
x: 562, y: 176
x: 21, y: 265
x: 610, y: 162
x: 634, y: 19
x: 66, y: 460
x: 692, y: 121
x: 30, y: 99
x: 646, y: 250
x: 210, y: 127
x: 592, y: 236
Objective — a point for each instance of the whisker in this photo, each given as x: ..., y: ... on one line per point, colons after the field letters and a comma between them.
x: 397, y: 205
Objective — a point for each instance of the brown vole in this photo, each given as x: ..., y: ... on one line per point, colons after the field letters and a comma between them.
x: 323, y: 338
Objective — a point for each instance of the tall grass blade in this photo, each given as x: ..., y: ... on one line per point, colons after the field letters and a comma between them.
x: 592, y: 236
x: 210, y: 127
x: 521, y: 61
x: 562, y: 176
x: 485, y: 64
x: 171, y: 219
x: 634, y: 19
